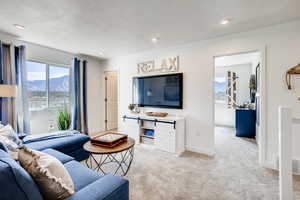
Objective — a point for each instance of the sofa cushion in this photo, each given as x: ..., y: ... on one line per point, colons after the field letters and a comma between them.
x: 9, y: 133
x: 81, y: 175
x: 79, y: 154
x: 50, y: 135
x: 49, y: 173
x: 10, y: 140
x: 3, y: 147
x: 109, y: 187
x: 62, y: 144
x: 52, y: 178
x: 63, y: 158
x: 16, y: 183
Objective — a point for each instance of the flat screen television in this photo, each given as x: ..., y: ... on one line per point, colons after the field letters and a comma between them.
x: 162, y: 91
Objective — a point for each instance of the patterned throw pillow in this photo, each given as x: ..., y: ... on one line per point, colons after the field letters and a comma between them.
x: 10, y: 140
x: 49, y: 174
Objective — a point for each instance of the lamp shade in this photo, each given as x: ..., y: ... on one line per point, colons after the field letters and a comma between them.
x: 7, y: 90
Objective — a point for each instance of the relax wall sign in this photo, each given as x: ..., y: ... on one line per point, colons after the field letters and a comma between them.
x: 165, y: 65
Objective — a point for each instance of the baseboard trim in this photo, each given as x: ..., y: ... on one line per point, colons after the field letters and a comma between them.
x: 295, y: 165
x: 209, y: 152
x: 274, y: 166
x: 269, y: 165
x: 224, y: 126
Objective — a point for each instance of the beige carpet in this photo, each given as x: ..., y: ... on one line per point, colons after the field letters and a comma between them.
x: 233, y: 174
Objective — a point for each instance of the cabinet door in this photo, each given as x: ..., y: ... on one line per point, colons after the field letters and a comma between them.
x: 165, y: 136
x: 132, y: 129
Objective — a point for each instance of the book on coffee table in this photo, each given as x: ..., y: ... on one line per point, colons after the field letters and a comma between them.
x: 109, y: 139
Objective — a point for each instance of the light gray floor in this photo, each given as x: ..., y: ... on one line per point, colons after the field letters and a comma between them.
x: 233, y: 174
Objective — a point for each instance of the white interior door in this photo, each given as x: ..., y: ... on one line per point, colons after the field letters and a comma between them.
x: 111, y: 100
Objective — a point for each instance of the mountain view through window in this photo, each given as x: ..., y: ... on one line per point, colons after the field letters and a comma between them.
x: 220, y: 89
x: 48, y: 92
x: 37, y: 93
x: 58, y: 87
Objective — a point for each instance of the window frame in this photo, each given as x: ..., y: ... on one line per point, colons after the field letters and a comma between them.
x: 48, y: 64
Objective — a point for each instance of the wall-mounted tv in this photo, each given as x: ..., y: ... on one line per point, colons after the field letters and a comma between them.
x: 162, y: 91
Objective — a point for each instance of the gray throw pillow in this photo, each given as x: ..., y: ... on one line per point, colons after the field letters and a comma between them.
x: 10, y: 140
x: 50, y: 175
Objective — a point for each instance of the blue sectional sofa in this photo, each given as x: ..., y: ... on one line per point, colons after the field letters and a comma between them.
x: 71, y: 145
x: 17, y: 184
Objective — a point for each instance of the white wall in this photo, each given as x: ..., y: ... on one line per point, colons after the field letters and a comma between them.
x: 96, y: 95
x: 282, y: 44
x: 95, y: 80
x: 237, y: 59
x: 224, y: 116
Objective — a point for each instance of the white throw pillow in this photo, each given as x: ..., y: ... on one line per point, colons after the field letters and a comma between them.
x: 50, y: 175
x: 10, y: 140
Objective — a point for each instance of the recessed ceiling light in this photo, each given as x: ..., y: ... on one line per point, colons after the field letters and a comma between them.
x: 225, y: 21
x: 155, y: 40
x: 101, y: 53
x: 18, y: 26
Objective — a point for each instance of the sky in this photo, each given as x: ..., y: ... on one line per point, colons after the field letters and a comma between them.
x: 37, y: 71
x: 220, y: 79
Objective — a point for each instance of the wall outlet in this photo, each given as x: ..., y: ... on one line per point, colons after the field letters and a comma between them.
x: 51, y: 127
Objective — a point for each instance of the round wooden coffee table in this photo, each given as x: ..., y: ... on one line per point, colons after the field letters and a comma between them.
x: 121, y: 156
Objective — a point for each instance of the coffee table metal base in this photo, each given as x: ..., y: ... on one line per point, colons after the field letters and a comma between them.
x: 122, y: 160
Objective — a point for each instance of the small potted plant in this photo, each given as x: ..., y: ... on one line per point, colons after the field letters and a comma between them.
x: 64, y: 119
x: 133, y: 108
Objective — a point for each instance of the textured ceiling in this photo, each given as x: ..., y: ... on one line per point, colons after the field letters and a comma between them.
x: 120, y: 27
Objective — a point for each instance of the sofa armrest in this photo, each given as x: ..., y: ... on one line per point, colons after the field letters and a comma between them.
x: 109, y: 187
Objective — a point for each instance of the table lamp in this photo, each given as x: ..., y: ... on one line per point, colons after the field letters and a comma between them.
x: 7, y: 91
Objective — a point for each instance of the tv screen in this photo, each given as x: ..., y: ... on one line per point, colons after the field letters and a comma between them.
x: 163, y: 91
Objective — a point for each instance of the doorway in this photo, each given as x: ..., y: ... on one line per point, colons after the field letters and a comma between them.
x: 111, y: 100
x: 237, y: 98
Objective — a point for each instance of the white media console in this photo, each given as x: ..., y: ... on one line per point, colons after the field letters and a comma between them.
x: 169, y: 132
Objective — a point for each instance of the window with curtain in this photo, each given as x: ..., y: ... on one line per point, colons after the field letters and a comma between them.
x: 49, y: 92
